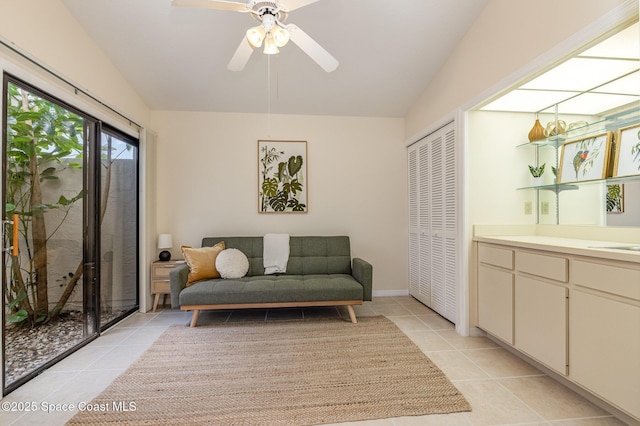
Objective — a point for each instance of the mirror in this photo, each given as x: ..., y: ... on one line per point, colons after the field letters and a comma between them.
x: 599, y: 86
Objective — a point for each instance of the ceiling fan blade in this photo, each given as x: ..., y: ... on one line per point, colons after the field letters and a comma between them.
x: 241, y: 57
x: 213, y: 4
x: 290, y: 5
x: 312, y: 48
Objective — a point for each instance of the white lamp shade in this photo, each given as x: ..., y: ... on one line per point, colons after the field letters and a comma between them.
x: 165, y: 241
x: 280, y: 36
x: 270, y: 47
x: 255, y: 35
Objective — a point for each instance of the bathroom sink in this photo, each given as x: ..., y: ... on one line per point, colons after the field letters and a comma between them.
x: 628, y: 248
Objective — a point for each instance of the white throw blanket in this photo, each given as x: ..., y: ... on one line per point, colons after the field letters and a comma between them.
x: 275, y: 253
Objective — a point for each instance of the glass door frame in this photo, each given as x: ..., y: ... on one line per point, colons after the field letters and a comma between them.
x: 91, y: 226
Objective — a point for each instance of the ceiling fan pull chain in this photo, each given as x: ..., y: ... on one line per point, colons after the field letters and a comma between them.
x: 269, y: 95
x: 278, y: 76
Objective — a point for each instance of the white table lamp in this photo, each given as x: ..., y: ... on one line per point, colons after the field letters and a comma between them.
x: 165, y: 241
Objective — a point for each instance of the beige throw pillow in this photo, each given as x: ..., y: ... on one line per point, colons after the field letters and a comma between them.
x: 202, y: 262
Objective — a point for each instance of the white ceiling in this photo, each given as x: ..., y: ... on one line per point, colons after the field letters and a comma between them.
x: 176, y: 58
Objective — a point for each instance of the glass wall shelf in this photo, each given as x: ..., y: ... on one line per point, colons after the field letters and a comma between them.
x: 611, y: 122
x: 547, y: 151
x: 576, y: 185
x: 552, y: 187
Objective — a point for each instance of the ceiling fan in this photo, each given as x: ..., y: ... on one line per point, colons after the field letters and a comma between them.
x: 272, y: 30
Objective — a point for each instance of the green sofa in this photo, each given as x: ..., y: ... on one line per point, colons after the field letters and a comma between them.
x: 320, y: 272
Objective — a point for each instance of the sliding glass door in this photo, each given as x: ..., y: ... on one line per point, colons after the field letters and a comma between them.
x: 70, y: 217
x: 119, y: 226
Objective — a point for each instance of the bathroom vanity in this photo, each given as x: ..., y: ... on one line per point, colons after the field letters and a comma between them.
x: 572, y: 305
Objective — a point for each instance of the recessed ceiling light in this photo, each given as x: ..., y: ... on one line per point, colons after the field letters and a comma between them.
x: 581, y: 74
x: 625, y: 44
x: 609, y: 71
x: 629, y: 85
x: 528, y: 100
x: 596, y: 103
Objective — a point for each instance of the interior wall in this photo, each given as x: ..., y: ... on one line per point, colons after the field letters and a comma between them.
x: 507, y: 36
x: 207, y: 182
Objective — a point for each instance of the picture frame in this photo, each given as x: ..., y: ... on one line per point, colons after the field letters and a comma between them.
x: 627, y: 158
x: 585, y: 159
x: 282, y: 176
x: 614, y: 198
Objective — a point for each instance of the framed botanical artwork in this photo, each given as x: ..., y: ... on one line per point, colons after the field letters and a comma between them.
x: 615, y: 198
x: 282, y: 176
x: 627, y: 151
x: 585, y: 159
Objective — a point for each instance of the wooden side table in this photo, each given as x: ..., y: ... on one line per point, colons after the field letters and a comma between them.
x: 160, y: 284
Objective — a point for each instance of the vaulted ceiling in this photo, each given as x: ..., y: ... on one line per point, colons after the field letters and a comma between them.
x: 176, y: 58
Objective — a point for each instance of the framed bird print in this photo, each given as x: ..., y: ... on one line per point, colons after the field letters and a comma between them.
x: 585, y: 159
x: 627, y: 151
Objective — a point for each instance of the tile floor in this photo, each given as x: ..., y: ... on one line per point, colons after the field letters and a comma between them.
x: 502, y: 389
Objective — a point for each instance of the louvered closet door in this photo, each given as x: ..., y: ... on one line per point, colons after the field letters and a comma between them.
x: 414, y: 228
x: 424, y: 206
x: 433, y: 221
x: 419, y: 240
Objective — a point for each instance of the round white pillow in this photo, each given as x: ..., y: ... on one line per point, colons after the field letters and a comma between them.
x: 232, y: 263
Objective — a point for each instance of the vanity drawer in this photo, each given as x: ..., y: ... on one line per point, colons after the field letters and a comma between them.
x: 617, y: 280
x: 541, y: 265
x: 495, y: 256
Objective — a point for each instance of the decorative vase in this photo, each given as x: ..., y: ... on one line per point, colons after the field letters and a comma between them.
x: 537, y: 181
x: 537, y: 132
x: 556, y: 127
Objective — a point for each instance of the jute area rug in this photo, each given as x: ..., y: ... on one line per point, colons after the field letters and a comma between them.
x: 277, y: 373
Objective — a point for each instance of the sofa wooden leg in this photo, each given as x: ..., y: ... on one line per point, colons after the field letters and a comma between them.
x: 194, y: 317
x: 352, y: 314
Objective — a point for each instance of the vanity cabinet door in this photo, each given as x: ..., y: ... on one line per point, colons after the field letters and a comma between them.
x: 541, y: 321
x: 495, y: 302
x: 605, y: 348
x: 495, y: 291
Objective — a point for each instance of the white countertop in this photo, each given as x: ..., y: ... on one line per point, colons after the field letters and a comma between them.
x: 592, y: 248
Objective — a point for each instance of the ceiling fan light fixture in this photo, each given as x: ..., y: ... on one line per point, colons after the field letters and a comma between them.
x: 271, y: 15
x: 270, y: 47
x: 256, y: 35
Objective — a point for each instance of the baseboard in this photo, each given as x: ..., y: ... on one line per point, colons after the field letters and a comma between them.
x: 389, y: 293
x: 476, y: 332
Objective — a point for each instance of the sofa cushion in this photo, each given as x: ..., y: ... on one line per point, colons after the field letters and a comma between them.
x: 232, y: 263
x: 250, y: 246
x: 273, y: 289
x: 202, y: 262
